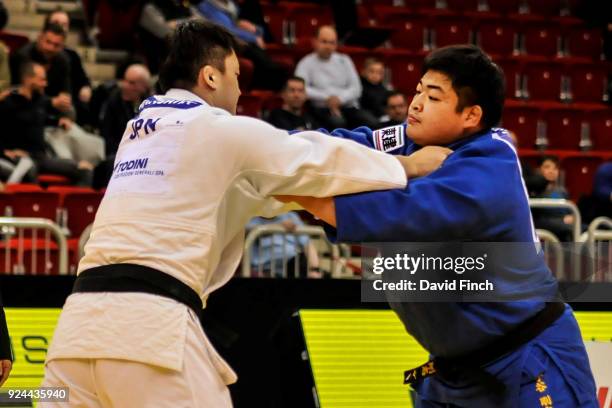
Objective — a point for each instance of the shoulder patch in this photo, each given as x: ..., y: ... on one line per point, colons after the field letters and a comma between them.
x: 389, y: 138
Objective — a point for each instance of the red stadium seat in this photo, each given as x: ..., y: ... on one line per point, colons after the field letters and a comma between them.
x: 246, y: 74
x: 585, y: 42
x: 80, y: 205
x: 16, y: 188
x: 30, y: 256
x: 498, y: 37
x: 389, y: 14
x: 543, y: 81
x: 53, y: 180
x: 116, y: 26
x: 579, y: 172
x: 308, y: 17
x: 588, y: 82
x: 541, y: 39
x: 512, y: 73
x: 600, y: 122
x: 250, y: 105
x: 504, y: 7
x: 40, y: 204
x: 13, y: 41
x: 405, y: 72
x: 464, y: 6
x: 5, y: 204
x: 563, y: 126
x: 522, y: 120
x: 275, y: 16
x: 81, y: 210
x: 450, y: 30
x: 550, y: 8
x: 411, y: 34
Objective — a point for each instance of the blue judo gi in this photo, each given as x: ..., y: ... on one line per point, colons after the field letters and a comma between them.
x: 477, y: 195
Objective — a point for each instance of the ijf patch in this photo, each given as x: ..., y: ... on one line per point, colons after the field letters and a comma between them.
x: 389, y: 138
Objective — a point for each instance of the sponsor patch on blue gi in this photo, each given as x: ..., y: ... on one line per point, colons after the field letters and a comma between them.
x: 389, y: 138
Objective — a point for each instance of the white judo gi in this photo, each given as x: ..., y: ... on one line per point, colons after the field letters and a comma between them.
x: 187, y: 179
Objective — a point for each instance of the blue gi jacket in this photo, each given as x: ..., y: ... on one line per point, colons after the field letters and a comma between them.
x: 477, y: 195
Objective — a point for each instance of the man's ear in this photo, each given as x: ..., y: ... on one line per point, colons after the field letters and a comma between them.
x: 474, y: 116
x: 209, y: 77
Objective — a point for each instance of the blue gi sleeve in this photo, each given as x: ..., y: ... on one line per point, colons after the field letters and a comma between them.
x: 451, y: 203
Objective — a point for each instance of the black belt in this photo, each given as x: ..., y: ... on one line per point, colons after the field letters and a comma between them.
x: 471, y: 364
x: 137, y: 278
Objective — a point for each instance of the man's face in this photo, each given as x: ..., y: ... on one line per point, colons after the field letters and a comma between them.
x: 228, y: 91
x: 375, y: 73
x: 133, y: 86
x: 432, y: 116
x: 50, y: 44
x: 294, y: 94
x: 550, y: 171
x: 326, y: 43
x: 397, y: 108
x: 61, y: 18
x: 38, y: 81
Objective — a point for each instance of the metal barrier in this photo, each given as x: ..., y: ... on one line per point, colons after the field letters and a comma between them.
x: 598, y: 243
x: 551, y: 243
x: 271, y: 230
x: 14, y: 238
x: 555, y: 203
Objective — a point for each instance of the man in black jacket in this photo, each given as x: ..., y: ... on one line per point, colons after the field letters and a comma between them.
x: 25, y: 112
x: 293, y: 115
x: 80, y: 83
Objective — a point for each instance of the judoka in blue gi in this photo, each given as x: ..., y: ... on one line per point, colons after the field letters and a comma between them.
x: 477, y: 195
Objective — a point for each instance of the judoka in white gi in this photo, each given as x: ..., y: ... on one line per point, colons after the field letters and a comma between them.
x: 188, y: 176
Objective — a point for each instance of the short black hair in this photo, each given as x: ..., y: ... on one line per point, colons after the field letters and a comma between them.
x: 548, y: 157
x: 194, y: 44
x: 54, y: 28
x: 293, y: 78
x: 391, y: 94
x: 26, y: 69
x: 475, y: 78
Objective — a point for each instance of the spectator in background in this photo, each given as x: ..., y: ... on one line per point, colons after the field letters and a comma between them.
x: 293, y: 115
x: 268, y: 74
x: 225, y: 13
x: 25, y: 112
x: 559, y: 222
x: 157, y: 20
x: 278, y: 253
x: 122, y: 105
x: 116, y: 112
x: 48, y: 51
x: 396, y: 108
x: 80, y: 83
x: 373, y: 98
x: 332, y: 83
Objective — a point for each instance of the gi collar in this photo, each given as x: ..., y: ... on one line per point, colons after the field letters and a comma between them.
x: 183, y: 94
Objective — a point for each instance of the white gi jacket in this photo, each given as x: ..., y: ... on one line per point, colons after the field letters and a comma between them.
x: 187, y: 179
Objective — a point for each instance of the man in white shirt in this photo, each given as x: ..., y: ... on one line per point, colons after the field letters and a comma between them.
x: 187, y: 178
x: 332, y: 83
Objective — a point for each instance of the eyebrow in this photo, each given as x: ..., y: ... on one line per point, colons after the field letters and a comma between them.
x: 434, y: 87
